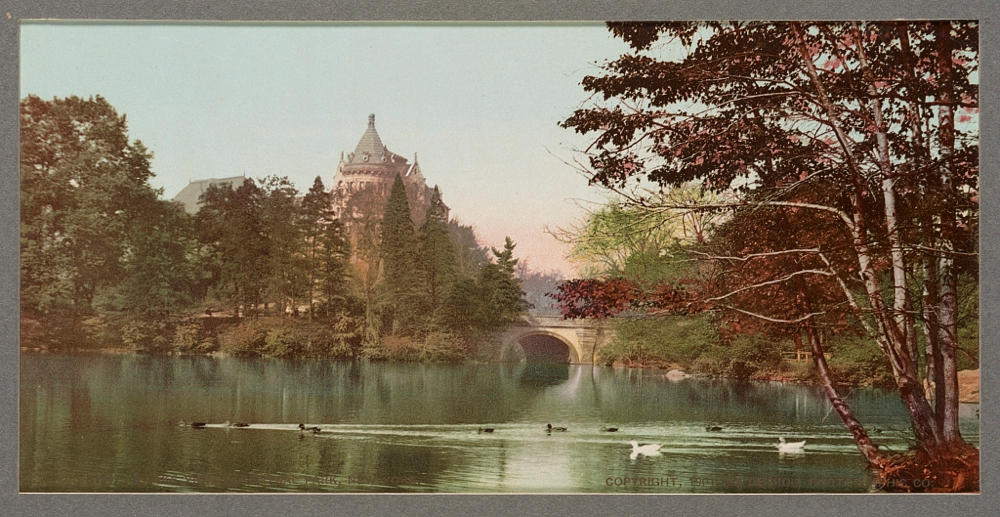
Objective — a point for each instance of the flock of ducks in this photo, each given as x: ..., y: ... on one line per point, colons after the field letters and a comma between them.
x: 649, y: 449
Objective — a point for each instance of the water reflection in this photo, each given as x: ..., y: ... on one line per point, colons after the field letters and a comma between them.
x: 108, y: 423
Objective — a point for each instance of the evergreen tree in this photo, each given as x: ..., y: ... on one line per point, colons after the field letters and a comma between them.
x: 315, y: 211
x: 398, y: 246
x: 436, y: 259
x: 503, y: 299
x: 286, y: 261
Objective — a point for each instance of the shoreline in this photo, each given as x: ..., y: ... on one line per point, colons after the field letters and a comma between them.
x: 969, y: 384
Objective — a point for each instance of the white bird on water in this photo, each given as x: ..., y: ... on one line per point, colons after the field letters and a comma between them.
x: 789, y: 447
x: 651, y: 449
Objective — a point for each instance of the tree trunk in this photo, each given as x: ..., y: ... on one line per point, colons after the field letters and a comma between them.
x: 948, y: 320
x: 890, y: 336
x: 861, y: 438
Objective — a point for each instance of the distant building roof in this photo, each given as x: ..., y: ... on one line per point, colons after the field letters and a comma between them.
x: 188, y: 196
x: 371, y: 151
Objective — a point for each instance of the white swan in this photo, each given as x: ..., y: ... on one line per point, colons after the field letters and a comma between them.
x: 651, y: 449
x: 789, y: 447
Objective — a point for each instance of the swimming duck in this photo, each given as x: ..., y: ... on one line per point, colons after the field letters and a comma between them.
x: 650, y: 449
x: 789, y: 447
x: 549, y: 428
x: 313, y: 430
x: 485, y: 429
x: 713, y: 428
x: 610, y: 430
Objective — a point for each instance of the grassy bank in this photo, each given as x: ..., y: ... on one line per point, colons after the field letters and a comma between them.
x: 693, y: 344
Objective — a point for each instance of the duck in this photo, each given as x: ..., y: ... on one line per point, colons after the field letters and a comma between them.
x: 313, y: 430
x: 485, y: 429
x: 650, y: 449
x: 789, y: 447
x: 713, y: 428
x: 610, y: 430
x: 549, y: 428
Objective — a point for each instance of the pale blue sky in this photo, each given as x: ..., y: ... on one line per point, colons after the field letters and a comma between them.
x: 479, y: 104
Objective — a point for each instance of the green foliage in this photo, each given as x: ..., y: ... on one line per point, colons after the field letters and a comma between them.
x: 236, y: 251
x: 398, y: 251
x: 82, y: 186
x: 744, y: 357
x: 277, y: 337
x: 194, y: 337
x: 441, y: 347
x: 160, y: 274
x: 435, y: 257
x: 858, y: 361
x: 673, y: 339
x: 247, y: 339
x: 148, y: 335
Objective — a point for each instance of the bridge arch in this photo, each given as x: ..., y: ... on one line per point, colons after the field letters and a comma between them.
x: 544, y: 345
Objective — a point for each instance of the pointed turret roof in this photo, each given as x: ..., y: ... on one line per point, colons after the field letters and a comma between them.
x: 371, y: 150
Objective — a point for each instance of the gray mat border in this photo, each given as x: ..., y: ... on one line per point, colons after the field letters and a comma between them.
x: 12, y: 503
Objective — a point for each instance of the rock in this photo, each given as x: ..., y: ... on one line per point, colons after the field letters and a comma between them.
x: 679, y: 375
x: 968, y: 386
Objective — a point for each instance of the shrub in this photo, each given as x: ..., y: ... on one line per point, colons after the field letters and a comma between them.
x: 673, y: 339
x: 744, y: 357
x: 442, y: 347
x: 857, y: 361
x: 245, y: 339
x: 147, y: 335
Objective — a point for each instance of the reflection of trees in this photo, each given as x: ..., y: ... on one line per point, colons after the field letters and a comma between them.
x: 120, y: 413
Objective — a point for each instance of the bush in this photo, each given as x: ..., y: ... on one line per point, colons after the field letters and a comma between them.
x: 246, y: 339
x: 673, y: 339
x: 194, y: 337
x: 744, y: 357
x: 442, y: 347
x: 147, y: 335
x: 858, y: 361
x: 436, y: 346
x: 291, y: 338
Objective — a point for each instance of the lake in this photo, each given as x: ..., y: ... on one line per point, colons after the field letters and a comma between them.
x: 109, y: 423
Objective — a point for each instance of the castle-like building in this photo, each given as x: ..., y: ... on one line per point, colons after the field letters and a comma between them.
x: 364, y: 178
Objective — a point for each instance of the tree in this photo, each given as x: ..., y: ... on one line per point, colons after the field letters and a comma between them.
x: 82, y: 185
x: 503, y: 300
x: 159, y: 269
x: 236, y: 250
x: 398, y: 251
x: 637, y: 241
x: 833, y: 118
x: 326, y: 252
x: 436, y: 256
x: 286, y: 267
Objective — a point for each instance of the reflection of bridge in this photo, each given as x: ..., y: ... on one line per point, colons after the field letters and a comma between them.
x: 553, y: 339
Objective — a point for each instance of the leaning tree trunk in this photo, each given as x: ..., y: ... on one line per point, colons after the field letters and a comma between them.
x: 861, y: 438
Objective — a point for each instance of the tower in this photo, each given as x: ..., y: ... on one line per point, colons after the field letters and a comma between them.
x: 364, y: 177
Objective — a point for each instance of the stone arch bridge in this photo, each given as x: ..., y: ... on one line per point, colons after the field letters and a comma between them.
x: 553, y: 339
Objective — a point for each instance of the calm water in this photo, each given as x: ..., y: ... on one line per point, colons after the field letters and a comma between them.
x: 96, y: 423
